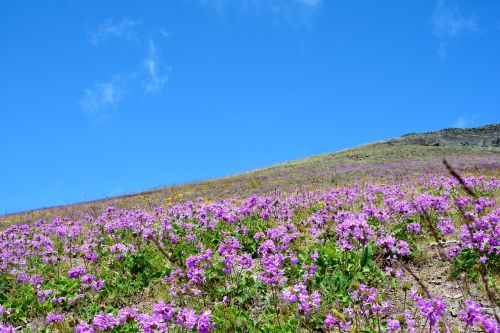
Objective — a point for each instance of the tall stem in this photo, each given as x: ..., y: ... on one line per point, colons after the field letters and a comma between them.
x: 484, y: 278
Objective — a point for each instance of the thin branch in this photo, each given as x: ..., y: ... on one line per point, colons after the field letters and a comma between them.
x: 422, y: 285
x: 484, y: 278
x: 434, y: 233
x: 162, y: 251
x: 460, y: 179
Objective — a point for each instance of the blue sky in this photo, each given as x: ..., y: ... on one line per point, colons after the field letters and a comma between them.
x: 101, y: 98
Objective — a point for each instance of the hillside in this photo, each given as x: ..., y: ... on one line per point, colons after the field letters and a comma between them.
x: 392, y: 244
x: 470, y: 150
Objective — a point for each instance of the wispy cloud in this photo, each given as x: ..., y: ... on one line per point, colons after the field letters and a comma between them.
x: 125, y: 28
x: 157, y: 72
x: 148, y: 76
x: 164, y: 33
x: 102, y: 96
x: 464, y: 122
x: 449, y: 23
x: 294, y: 11
x: 310, y: 2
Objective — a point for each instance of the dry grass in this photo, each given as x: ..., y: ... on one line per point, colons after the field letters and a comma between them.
x: 384, y: 162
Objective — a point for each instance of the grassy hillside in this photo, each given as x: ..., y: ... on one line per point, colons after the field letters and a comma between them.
x: 418, y: 256
x: 471, y: 151
x: 393, y: 247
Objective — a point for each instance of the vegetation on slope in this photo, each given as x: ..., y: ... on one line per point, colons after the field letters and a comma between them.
x: 415, y: 257
x: 472, y: 151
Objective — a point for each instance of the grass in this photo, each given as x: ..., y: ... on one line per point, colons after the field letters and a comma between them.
x: 383, y: 162
x: 244, y: 260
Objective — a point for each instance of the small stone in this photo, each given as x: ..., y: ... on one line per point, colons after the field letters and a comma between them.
x: 489, y: 311
x: 456, y: 296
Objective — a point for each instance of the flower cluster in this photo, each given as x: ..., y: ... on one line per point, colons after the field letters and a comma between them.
x: 473, y: 315
x: 305, y: 302
x: 352, y: 229
x: 164, y: 315
x: 432, y: 308
x: 302, y: 259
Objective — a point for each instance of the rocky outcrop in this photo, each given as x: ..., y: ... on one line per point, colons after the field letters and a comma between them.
x: 484, y: 137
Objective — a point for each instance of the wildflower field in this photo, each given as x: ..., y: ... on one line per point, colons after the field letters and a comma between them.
x: 415, y: 256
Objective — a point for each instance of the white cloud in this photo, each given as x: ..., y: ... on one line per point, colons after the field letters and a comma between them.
x: 464, y: 122
x: 460, y: 123
x: 98, y: 99
x: 164, y: 33
x: 449, y: 23
x: 310, y: 2
x: 125, y: 28
x: 102, y: 97
x: 295, y: 11
x: 148, y: 75
x: 157, y: 73
x: 217, y: 5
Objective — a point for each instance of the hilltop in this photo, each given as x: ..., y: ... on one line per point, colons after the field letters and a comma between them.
x: 470, y: 150
x: 483, y: 137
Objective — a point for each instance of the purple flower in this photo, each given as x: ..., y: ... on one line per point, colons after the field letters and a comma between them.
x: 151, y: 323
x: 330, y: 320
x: 245, y: 260
x: 490, y: 325
x: 410, y: 321
x: 446, y: 226
x: 54, y: 318
x: 187, y: 318
x: 351, y: 229
x: 431, y: 309
x: 258, y: 235
x: 84, y: 328
x: 103, y: 322
x: 427, y: 202
x: 473, y: 314
x: 268, y: 247
x: 97, y: 285
x: 402, y: 248
x: 413, y: 227
x: 291, y: 295
x: 42, y: 295
x: 196, y: 264
x: 127, y: 314
x: 305, y: 302
x: 386, y: 306
x: 387, y: 243
x: 453, y: 251
x: 393, y: 325
x: 204, y: 323
x: 75, y: 272
x: 87, y: 279
x: 273, y: 273
x: 166, y: 311
x: 229, y: 246
x: 6, y: 328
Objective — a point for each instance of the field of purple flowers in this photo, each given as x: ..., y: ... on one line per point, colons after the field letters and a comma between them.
x: 347, y: 259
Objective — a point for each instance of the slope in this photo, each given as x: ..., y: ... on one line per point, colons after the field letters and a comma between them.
x: 472, y: 150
